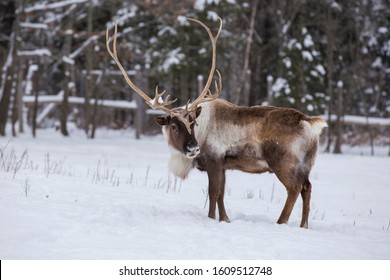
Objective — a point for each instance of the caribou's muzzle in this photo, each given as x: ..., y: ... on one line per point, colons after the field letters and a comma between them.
x: 192, y: 152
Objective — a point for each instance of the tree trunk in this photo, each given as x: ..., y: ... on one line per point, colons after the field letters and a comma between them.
x: 14, y: 116
x: 67, y: 79
x: 242, y: 96
x: 7, y: 84
x: 7, y: 73
x: 65, y: 107
x: 9, y: 70
x: 338, y: 124
x: 329, y: 70
x: 93, y: 117
x: 35, y: 82
x: 95, y: 109
x: 19, y: 96
x: 89, y: 119
x: 270, y: 94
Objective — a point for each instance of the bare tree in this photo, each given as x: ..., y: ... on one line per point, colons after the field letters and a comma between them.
x: 68, y: 63
x: 35, y: 89
x: 338, y: 124
x: 8, y: 72
x: 330, y: 27
x: 242, y: 97
x: 89, y: 87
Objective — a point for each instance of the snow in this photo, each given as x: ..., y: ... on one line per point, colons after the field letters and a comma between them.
x: 34, y: 25
x: 182, y: 20
x: 200, y: 4
x: 279, y: 85
x: 287, y: 62
x: 123, y: 104
x: 60, y: 4
x: 383, y: 30
x: 120, y: 104
x: 159, y: 100
x: 372, y: 42
x: 212, y: 16
x: 320, y: 69
x: 83, y: 46
x: 313, y: 73
x: 29, y: 85
x: 377, y: 63
x: 202, y: 51
x: 307, y: 56
x: 124, y: 15
x: 360, y: 120
x: 308, y: 41
x: 291, y: 43
x: 174, y: 57
x: 298, y: 46
x: 36, y: 52
x: 310, y: 107
x: 68, y: 60
x: 334, y: 5
x: 167, y: 29
x: 112, y: 198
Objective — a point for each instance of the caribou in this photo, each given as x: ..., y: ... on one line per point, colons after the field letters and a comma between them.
x: 213, y: 135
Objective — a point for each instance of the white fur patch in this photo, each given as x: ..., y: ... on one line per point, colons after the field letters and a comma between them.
x: 317, y: 127
x: 220, y: 136
x: 203, y: 122
x: 180, y: 165
x: 310, y: 132
x: 314, y: 129
x: 297, y: 146
x: 226, y: 137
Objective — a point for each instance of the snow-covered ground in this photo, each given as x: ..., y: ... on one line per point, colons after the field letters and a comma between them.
x: 113, y: 198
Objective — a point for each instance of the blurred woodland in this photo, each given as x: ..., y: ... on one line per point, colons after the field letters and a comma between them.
x: 322, y: 57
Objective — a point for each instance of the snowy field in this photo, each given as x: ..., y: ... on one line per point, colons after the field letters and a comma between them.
x: 113, y: 198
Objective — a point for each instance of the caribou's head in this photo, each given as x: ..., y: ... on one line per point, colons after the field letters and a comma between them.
x: 178, y: 124
x: 179, y: 135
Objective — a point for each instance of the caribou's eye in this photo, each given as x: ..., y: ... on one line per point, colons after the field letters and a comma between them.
x: 174, y: 128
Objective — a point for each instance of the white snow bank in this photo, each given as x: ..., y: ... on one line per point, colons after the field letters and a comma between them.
x: 112, y: 198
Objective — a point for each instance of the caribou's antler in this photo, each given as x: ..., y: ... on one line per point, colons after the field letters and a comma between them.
x: 156, y: 102
x: 206, y: 94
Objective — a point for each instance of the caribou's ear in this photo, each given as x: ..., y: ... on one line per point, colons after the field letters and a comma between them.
x: 198, y: 111
x: 162, y: 120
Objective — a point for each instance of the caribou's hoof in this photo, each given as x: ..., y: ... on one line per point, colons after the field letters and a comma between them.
x: 212, y: 217
x: 225, y: 219
x: 305, y: 225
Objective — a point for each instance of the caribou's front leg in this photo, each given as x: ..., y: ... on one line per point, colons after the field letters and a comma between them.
x: 216, y: 174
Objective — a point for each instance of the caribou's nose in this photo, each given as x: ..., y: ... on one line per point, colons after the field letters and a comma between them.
x: 192, y: 151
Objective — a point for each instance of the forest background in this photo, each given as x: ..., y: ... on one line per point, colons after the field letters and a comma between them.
x: 325, y: 57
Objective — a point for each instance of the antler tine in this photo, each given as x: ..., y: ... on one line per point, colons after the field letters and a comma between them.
x: 210, y: 96
x: 158, y: 103
x: 213, y: 39
x: 218, y: 87
x: 153, y: 103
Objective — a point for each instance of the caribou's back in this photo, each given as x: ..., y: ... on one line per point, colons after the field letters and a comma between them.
x: 229, y: 131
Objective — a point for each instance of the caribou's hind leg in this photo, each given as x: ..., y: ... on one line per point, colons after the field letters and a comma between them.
x: 306, y: 194
x: 292, y: 195
x: 293, y: 175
